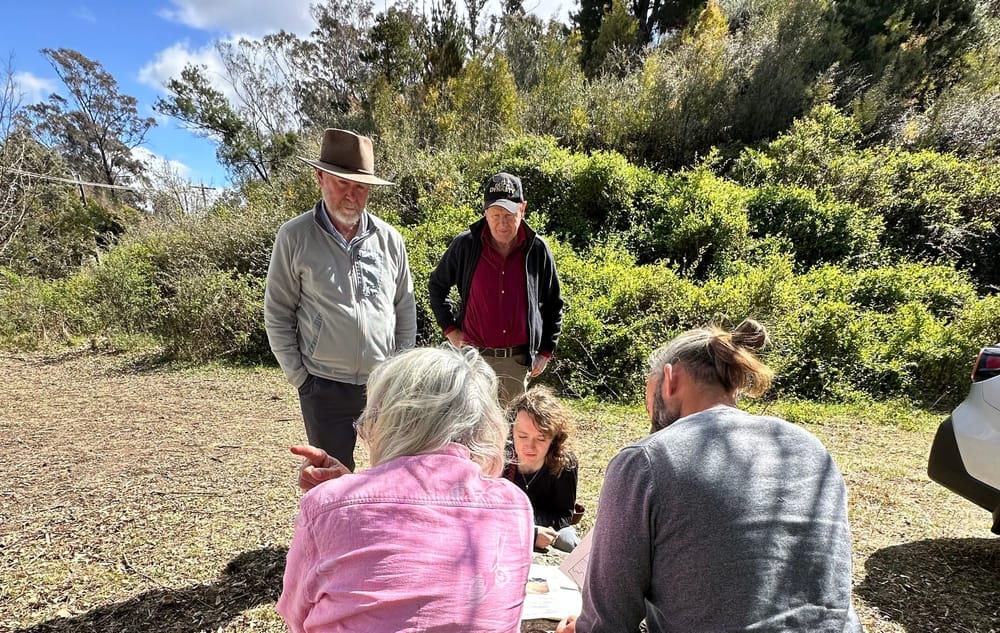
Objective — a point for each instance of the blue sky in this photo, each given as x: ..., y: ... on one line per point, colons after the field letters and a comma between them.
x: 143, y: 44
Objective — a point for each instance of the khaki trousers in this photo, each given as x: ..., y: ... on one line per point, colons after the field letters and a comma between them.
x: 512, y: 376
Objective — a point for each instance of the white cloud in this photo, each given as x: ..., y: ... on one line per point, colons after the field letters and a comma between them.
x: 160, y: 165
x: 33, y: 89
x: 169, y: 63
x: 253, y: 17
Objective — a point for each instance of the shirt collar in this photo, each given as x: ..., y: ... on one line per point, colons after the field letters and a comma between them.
x: 327, y: 224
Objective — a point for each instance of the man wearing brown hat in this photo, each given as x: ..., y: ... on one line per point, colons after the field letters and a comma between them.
x: 510, y: 304
x: 339, y: 295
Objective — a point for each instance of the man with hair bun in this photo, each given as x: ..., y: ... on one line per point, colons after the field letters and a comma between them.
x: 719, y: 520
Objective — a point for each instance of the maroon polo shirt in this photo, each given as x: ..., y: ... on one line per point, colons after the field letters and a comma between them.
x: 496, y: 312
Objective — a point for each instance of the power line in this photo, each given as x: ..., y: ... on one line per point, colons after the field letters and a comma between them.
x: 95, y: 184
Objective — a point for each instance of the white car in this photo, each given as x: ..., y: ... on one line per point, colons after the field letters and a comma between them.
x: 965, y: 456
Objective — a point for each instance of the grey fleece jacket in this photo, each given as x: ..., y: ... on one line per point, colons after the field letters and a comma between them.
x: 336, y: 313
x: 721, y: 522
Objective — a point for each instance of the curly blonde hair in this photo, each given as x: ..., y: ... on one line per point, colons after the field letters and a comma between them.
x: 552, y: 419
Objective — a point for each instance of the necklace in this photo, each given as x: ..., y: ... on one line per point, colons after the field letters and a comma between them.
x: 528, y: 482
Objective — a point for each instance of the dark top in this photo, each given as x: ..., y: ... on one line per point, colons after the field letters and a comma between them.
x: 552, y: 498
x: 457, y: 265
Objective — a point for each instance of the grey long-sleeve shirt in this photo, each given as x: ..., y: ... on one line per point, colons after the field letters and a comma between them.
x: 721, y: 522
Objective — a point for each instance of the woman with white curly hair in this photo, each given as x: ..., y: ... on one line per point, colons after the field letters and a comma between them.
x: 428, y: 538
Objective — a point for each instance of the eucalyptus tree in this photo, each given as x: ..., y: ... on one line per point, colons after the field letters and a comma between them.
x: 93, y: 126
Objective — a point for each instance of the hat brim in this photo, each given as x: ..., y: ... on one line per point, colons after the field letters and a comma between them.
x: 345, y: 173
x: 509, y: 205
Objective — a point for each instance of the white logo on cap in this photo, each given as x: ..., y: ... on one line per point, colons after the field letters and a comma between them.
x: 503, y: 186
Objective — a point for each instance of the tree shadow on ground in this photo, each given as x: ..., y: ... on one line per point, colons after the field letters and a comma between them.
x: 250, y: 579
x: 937, y: 585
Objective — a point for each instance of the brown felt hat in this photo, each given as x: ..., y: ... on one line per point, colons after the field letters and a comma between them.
x: 347, y: 155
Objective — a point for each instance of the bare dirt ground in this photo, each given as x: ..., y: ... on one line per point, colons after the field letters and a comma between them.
x: 145, y: 499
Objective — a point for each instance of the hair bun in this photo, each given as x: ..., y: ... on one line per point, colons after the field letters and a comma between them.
x: 751, y: 335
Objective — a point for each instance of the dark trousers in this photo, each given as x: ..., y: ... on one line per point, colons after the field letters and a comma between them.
x: 329, y: 409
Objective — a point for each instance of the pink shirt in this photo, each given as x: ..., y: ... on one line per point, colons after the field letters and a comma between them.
x: 421, y: 543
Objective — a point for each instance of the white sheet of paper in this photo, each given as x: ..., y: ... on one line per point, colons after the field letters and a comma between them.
x: 575, y: 563
x: 562, y: 598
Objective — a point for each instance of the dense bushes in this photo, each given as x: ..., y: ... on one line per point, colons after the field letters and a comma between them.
x: 781, y: 234
x: 820, y: 230
x: 935, y: 207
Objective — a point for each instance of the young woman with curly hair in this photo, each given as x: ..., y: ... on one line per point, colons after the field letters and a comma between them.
x: 543, y: 466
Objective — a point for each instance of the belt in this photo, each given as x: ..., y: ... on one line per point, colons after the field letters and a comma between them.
x: 503, y: 352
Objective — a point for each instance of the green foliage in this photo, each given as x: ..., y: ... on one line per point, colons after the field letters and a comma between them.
x: 935, y: 206
x: 805, y: 154
x: 820, y: 230
x: 555, y: 100
x: 618, y: 313
x: 481, y: 105
x: 236, y: 240
x: 618, y: 32
x: 703, y: 226
x: 444, y: 44
x: 60, y: 233
x: 942, y: 290
x: 823, y: 354
x: 915, y: 44
x: 126, y: 297
x: 425, y: 243
x: 768, y: 292
x: 246, y: 145
x: 214, y: 314
x: 38, y: 313
x: 394, y: 47
x: 588, y: 22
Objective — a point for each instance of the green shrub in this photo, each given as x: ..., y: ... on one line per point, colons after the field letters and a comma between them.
x: 917, y: 346
x: 822, y: 354
x: 821, y: 230
x: 425, y: 244
x: 61, y: 233
x: 126, y: 297
x: 767, y: 292
x: 703, y: 227
x: 215, y: 314
x: 934, y: 205
x: 616, y: 314
x: 39, y: 313
x: 941, y: 289
x: 804, y: 155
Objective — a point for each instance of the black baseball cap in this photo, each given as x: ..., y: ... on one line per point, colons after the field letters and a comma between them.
x: 503, y: 190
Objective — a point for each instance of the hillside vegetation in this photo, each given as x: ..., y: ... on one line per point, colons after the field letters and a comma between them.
x: 828, y: 168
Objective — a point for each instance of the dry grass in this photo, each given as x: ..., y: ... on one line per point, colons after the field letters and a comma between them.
x: 144, y: 499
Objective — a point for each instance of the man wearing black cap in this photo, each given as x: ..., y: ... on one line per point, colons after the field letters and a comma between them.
x: 510, y: 305
x: 339, y: 296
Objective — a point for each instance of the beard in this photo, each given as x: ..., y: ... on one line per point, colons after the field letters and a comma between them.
x: 663, y: 414
x: 347, y: 216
